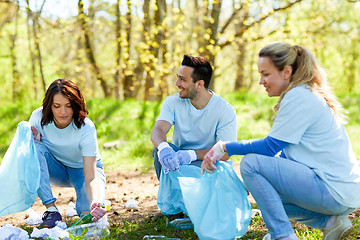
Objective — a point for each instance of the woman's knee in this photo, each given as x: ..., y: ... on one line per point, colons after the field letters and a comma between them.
x: 41, y: 148
x: 248, y: 163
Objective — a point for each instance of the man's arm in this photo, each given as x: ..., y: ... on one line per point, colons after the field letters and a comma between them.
x: 158, y: 134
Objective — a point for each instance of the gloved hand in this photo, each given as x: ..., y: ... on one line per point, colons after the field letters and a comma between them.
x: 215, y: 153
x: 36, y: 134
x: 96, y: 210
x: 186, y: 156
x: 167, y: 157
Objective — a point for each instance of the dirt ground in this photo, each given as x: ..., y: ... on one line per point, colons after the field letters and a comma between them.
x: 120, y: 187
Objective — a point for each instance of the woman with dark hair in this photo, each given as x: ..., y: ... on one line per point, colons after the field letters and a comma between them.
x: 68, y: 152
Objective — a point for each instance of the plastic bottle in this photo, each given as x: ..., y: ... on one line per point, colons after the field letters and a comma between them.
x: 98, y: 229
x: 157, y: 237
x: 181, y: 223
x: 87, y: 218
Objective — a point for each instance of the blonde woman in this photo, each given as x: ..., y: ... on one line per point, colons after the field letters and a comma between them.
x: 316, y: 178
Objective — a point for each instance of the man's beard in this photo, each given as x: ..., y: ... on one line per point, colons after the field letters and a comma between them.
x: 192, y: 93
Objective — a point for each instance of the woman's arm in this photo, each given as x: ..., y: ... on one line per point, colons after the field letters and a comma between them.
x: 92, y: 185
x: 268, y: 146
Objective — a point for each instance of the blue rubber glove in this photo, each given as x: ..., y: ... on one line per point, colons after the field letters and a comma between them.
x: 168, y: 159
x: 186, y: 156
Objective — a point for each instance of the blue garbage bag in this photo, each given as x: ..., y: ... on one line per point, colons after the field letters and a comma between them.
x: 217, y: 204
x: 19, y: 172
x: 170, y: 199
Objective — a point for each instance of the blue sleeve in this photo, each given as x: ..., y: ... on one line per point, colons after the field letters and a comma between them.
x: 265, y: 146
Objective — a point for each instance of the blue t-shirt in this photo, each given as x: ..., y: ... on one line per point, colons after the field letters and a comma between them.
x: 318, y: 140
x: 70, y: 144
x: 199, y: 129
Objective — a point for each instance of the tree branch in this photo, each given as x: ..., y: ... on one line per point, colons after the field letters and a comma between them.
x: 270, y: 14
x: 263, y: 18
x: 235, y: 12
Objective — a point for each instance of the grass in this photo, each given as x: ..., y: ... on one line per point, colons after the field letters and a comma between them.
x: 130, y: 123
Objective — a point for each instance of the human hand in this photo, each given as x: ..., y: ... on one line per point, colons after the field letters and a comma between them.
x: 168, y: 158
x: 96, y: 210
x: 215, y: 153
x: 186, y: 156
x: 36, y: 134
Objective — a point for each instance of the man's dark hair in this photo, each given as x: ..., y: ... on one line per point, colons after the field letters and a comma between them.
x: 202, y: 68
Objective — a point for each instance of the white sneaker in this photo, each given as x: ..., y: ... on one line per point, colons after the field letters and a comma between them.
x: 267, y: 237
x: 341, y: 228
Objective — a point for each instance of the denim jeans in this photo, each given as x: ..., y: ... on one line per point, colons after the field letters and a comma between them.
x: 284, y: 189
x: 54, y: 172
x: 158, y: 166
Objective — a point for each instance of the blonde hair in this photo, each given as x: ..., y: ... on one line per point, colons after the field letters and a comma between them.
x: 305, y: 70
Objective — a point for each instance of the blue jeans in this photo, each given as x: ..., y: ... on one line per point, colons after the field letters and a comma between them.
x: 54, y: 172
x: 158, y: 166
x: 284, y: 189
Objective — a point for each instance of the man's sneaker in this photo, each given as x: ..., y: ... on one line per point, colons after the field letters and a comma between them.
x: 49, y: 219
x: 341, y: 228
x: 268, y: 236
x: 169, y: 217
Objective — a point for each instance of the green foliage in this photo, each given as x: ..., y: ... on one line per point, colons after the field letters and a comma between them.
x: 10, y: 115
x: 130, y: 123
x: 155, y: 46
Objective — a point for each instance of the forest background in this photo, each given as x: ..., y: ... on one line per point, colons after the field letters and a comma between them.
x: 124, y: 55
x: 127, y: 53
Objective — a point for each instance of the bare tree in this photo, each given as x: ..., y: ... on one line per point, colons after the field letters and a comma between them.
x: 155, y: 47
x: 32, y: 54
x: 214, y: 32
x: 128, y: 75
x: 15, y: 72
x: 117, y: 77
x: 144, y: 35
x: 36, y: 28
x: 89, y: 50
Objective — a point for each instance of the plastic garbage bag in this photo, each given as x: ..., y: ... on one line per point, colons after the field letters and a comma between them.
x: 170, y: 200
x: 217, y: 204
x: 9, y: 232
x: 131, y: 203
x: 71, y: 211
x: 19, y: 172
x: 55, y: 233
x: 34, y: 218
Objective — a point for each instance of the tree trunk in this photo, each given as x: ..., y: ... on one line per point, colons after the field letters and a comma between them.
x: 7, y: 13
x: 352, y: 67
x: 128, y: 74
x: 32, y: 55
x: 139, y: 69
x: 241, y: 48
x: 15, y: 72
x: 117, y: 77
x: 89, y: 50
x: 35, y: 28
x: 240, y: 62
x: 213, y: 27
x: 160, y: 13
